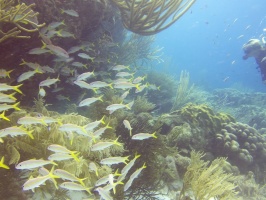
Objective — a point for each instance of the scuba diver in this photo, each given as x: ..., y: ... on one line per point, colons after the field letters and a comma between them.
x: 256, y: 48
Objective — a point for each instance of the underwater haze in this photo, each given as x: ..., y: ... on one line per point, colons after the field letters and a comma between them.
x: 207, y: 41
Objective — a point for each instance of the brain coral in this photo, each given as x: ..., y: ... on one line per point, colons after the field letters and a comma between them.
x: 243, y: 145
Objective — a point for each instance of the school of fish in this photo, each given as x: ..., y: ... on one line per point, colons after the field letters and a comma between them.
x: 124, y: 83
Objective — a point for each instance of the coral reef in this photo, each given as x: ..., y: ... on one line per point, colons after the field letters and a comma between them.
x: 246, y: 107
x: 200, y: 175
x: 150, y: 17
x: 248, y: 187
x: 202, y: 115
x: 86, y: 54
x: 23, y: 148
x: 180, y: 136
x: 15, y: 18
x: 244, y: 146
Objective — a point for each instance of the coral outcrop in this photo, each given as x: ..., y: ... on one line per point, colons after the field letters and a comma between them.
x: 243, y: 145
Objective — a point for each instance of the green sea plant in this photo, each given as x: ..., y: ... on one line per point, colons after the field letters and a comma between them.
x: 146, y: 17
x: 141, y: 104
x: 142, y: 49
x: 15, y: 18
x: 135, y: 50
x: 208, y: 180
x: 183, y: 91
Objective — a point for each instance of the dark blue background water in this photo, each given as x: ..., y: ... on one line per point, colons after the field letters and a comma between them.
x: 207, y: 41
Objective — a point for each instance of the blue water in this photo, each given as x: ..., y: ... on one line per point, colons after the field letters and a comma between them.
x: 207, y: 42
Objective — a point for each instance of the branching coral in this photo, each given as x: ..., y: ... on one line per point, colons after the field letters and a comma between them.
x: 133, y: 49
x: 208, y: 182
x: 141, y: 104
x: 147, y: 17
x: 249, y: 188
x: 139, y: 48
x: 19, y: 16
x: 183, y: 91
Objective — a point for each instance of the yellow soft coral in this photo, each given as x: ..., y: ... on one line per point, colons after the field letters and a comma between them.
x: 19, y: 16
x: 146, y: 17
x: 208, y: 181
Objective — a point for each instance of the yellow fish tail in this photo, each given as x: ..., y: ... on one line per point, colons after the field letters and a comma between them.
x: 102, y: 120
x: 137, y: 155
x: 59, y: 32
x: 11, y: 96
x: 153, y: 135
x: 37, y: 70
x: 101, y: 98
x: 53, y: 163
x: 144, y: 166
x: 107, y: 126
x: 88, y: 190
x: 2, y: 116
x: 137, y: 86
x: 29, y: 133
x: 53, y: 177
x: 15, y: 106
x: 116, y: 173
x: 81, y: 181
x: 23, y: 62
x: 16, y: 88
x: 8, y: 73
x: 43, y: 45
x: 94, y: 90
x: 116, y: 142
x: 2, y: 165
x: 75, y: 156
x: 110, y: 85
